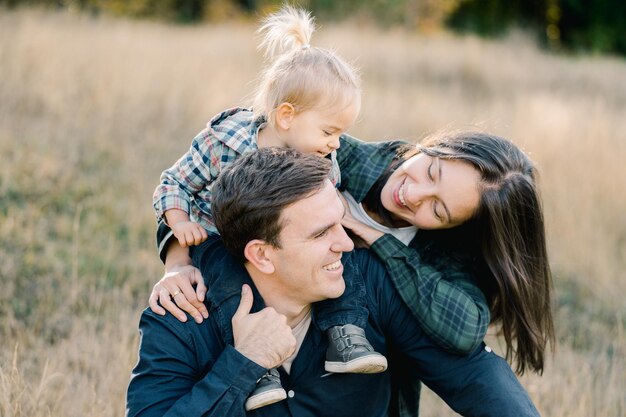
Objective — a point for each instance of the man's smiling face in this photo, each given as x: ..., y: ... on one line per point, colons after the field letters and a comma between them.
x: 312, y: 241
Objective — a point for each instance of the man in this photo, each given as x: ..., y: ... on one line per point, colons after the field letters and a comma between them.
x: 278, y: 212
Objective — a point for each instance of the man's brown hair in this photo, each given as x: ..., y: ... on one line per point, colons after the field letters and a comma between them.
x: 250, y: 195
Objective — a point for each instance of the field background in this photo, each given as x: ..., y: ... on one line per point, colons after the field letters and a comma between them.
x: 91, y: 111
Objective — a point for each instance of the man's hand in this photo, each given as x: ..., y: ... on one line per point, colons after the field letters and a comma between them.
x: 189, y: 233
x: 177, y: 284
x: 263, y: 337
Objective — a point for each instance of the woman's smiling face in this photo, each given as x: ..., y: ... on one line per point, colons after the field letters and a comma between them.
x: 432, y: 193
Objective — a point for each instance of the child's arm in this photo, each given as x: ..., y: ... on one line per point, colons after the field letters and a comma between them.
x: 189, y: 179
x: 187, y: 232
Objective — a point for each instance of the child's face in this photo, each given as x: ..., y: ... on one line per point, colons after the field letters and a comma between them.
x: 317, y: 130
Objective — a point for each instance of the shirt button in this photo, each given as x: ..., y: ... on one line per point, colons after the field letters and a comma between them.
x: 291, y: 394
x: 487, y: 348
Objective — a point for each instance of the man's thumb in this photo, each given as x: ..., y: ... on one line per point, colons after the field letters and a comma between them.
x: 246, y: 302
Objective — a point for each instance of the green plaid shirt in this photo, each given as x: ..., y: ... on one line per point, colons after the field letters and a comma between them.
x: 437, y: 286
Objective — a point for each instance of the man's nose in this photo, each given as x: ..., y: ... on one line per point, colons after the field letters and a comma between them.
x: 343, y: 243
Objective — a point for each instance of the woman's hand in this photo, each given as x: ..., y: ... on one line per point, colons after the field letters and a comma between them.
x: 365, y: 232
x: 175, y: 292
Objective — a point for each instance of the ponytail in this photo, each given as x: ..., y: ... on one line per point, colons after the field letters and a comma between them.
x: 288, y: 30
x: 304, y: 76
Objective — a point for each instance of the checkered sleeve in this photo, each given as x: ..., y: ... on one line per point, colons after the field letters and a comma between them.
x: 440, y: 294
x: 193, y: 172
x: 362, y: 163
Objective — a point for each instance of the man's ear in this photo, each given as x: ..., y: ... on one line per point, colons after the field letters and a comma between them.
x: 284, y: 115
x: 256, y: 252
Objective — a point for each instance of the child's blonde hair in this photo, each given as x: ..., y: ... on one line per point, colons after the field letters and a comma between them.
x: 299, y: 74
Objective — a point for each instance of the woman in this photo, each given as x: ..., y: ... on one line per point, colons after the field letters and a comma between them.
x: 490, y: 257
x: 502, y: 239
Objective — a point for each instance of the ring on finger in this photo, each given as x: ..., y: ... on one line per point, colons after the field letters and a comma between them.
x: 175, y: 293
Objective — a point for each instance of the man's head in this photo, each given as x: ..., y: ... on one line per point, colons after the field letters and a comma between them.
x: 277, y: 209
x: 250, y: 195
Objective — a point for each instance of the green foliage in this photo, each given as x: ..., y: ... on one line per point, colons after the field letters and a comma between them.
x: 385, y: 12
x: 493, y: 17
x: 171, y: 10
x: 594, y: 25
x: 586, y: 25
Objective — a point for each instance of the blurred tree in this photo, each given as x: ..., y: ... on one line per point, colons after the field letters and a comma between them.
x: 589, y: 25
x: 423, y: 14
x: 175, y: 10
x: 183, y: 11
x: 594, y: 25
x: 494, y: 17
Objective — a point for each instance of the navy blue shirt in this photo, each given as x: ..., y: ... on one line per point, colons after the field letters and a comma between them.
x: 187, y: 369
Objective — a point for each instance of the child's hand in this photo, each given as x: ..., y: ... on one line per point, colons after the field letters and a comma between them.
x: 189, y: 233
x: 175, y: 290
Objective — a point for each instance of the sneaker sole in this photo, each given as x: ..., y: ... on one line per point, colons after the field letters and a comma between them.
x: 265, y: 398
x: 373, y: 364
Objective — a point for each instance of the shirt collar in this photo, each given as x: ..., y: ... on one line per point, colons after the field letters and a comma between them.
x: 237, y: 128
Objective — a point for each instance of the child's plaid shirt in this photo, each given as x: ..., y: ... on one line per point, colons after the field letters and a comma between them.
x: 187, y: 184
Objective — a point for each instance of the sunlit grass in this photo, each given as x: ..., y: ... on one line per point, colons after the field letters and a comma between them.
x: 91, y: 111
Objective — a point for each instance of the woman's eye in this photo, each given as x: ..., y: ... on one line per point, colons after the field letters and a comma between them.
x: 436, y: 214
x: 327, y: 133
x: 430, y: 174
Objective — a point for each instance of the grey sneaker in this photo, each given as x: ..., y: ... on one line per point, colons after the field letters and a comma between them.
x: 350, y: 352
x: 267, y: 391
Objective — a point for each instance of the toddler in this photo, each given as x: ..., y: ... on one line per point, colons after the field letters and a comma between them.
x: 306, y: 99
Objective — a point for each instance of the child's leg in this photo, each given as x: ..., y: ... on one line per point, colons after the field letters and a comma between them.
x: 224, y: 277
x: 350, y: 308
x: 344, y: 319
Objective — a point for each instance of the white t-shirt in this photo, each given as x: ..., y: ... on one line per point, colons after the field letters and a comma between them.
x: 299, y: 332
x: 403, y: 234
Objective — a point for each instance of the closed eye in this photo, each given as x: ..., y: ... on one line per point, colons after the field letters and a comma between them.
x: 435, y: 213
x: 321, y: 234
x: 429, y: 171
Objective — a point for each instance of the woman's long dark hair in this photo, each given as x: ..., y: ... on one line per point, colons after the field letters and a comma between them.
x: 510, y: 230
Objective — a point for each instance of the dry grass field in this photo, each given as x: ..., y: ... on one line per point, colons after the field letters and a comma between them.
x: 91, y: 111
